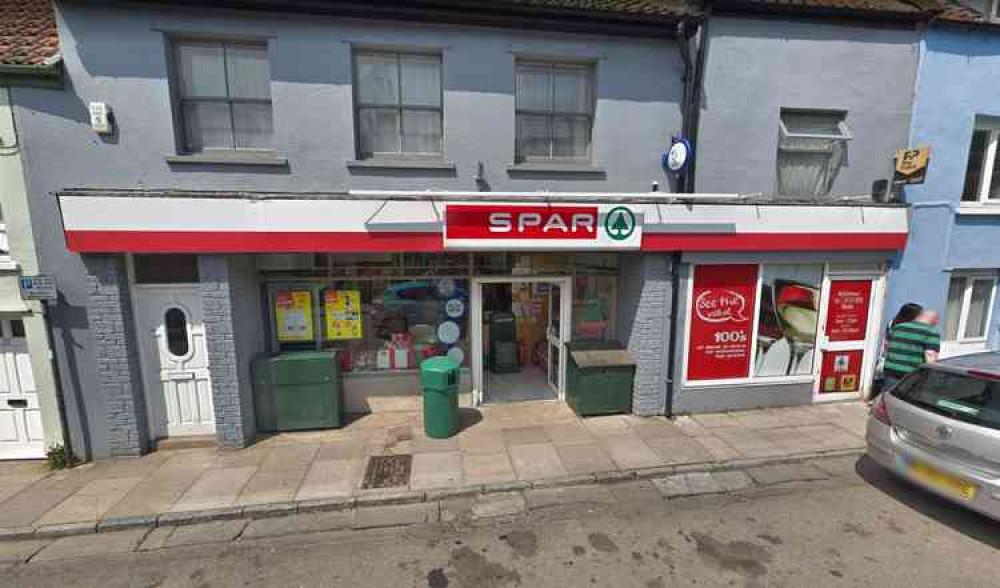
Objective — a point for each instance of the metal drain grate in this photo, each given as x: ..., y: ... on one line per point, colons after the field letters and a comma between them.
x: 387, y: 471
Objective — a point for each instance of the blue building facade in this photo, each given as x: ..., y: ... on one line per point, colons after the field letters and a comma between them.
x: 950, y: 263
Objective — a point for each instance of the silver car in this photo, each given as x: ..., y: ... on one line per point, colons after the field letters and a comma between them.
x: 940, y: 428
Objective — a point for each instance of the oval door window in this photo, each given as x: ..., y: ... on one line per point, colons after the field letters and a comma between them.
x: 177, y: 331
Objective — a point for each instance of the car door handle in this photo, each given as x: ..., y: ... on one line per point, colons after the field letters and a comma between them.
x: 18, y: 403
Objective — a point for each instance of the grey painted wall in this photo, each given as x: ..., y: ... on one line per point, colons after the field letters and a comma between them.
x: 757, y: 67
x: 117, y: 54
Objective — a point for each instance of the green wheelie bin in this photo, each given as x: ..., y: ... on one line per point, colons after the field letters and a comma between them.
x: 439, y: 379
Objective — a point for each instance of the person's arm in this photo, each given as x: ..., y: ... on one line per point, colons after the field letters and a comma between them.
x: 932, y: 347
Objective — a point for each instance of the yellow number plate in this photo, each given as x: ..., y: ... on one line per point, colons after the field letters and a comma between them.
x: 935, y: 477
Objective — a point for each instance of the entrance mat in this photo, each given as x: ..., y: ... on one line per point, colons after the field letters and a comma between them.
x: 387, y: 471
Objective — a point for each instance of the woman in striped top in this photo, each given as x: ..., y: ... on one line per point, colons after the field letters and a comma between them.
x: 910, y: 344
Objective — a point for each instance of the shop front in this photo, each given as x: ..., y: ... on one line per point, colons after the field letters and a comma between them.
x: 504, y: 317
x: 778, y: 331
x: 758, y: 303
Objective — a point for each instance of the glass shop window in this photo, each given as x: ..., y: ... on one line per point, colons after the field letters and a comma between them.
x: 378, y: 325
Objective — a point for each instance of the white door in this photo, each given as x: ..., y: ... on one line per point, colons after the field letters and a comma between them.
x: 20, y: 416
x: 848, y: 336
x: 174, y: 360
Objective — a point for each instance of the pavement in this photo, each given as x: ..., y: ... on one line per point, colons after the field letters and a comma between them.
x: 822, y: 522
x: 500, y: 453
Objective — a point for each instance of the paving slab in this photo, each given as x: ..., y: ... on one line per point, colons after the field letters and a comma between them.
x: 332, y: 478
x: 12, y: 483
x: 783, y: 473
x: 569, y: 433
x: 156, y: 494
x: 487, y: 469
x: 290, y: 457
x: 436, y: 470
x: 691, y: 427
x: 655, y: 427
x: 714, y: 420
x: 498, y: 504
x: 679, y: 450
x: 634, y: 491
x: 717, y: 448
x: 584, y: 458
x: 20, y: 551
x: 314, y: 522
x: 601, y: 426
x: 91, y: 502
x: 546, y: 497
x: 217, y: 488
x: 534, y: 435
x: 202, y: 533
x: 629, y: 452
x: 344, y: 449
x: 479, y: 442
x: 274, y: 485
x: 396, y: 515
x: 25, y: 508
x: 535, y: 462
x: 92, y: 545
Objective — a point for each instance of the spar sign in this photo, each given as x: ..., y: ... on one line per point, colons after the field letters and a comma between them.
x: 541, y: 227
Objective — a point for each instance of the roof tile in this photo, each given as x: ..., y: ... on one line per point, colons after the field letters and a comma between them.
x: 28, y: 34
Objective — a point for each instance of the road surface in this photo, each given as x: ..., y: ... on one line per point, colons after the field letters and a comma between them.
x: 860, y: 528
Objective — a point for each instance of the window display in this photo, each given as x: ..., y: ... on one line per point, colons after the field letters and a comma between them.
x: 788, y: 315
x: 784, y: 298
x: 378, y: 324
x: 594, y: 300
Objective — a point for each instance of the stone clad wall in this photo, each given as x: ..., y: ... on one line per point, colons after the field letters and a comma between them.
x: 119, y: 377
x: 224, y: 287
x: 644, y: 326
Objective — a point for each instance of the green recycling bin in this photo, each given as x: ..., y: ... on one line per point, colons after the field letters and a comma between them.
x: 439, y: 379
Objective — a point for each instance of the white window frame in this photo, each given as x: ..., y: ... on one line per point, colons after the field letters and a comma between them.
x: 841, y: 138
x: 400, y: 107
x: 591, y: 115
x: 986, y: 171
x: 963, y: 344
x: 180, y: 98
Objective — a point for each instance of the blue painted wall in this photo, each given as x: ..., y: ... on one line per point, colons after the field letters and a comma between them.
x: 955, y: 83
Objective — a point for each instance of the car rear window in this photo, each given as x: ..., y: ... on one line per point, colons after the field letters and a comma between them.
x: 965, y: 398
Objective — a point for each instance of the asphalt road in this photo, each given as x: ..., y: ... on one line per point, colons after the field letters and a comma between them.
x: 861, y: 528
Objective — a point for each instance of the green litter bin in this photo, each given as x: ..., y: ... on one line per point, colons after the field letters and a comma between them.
x: 439, y: 379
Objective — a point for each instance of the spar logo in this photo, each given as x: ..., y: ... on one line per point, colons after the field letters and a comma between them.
x: 719, y: 305
x: 619, y: 223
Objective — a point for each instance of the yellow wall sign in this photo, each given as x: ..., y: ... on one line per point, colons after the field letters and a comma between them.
x: 293, y: 313
x: 343, y: 314
x: 911, y: 164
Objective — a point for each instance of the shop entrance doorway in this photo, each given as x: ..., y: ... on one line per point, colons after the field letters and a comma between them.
x: 519, y: 331
x: 849, y: 334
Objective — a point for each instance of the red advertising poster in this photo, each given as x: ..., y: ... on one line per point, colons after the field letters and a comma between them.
x: 847, y: 315
x: 841, y: 371
x: 722, y: 310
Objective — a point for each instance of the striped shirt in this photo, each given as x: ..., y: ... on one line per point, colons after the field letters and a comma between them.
x: 906, y: 345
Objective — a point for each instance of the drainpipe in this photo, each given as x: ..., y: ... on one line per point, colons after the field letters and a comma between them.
x: 690, y: 109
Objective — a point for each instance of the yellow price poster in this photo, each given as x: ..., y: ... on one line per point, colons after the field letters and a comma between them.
x: 293, y: 311
x: 343, y: 314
